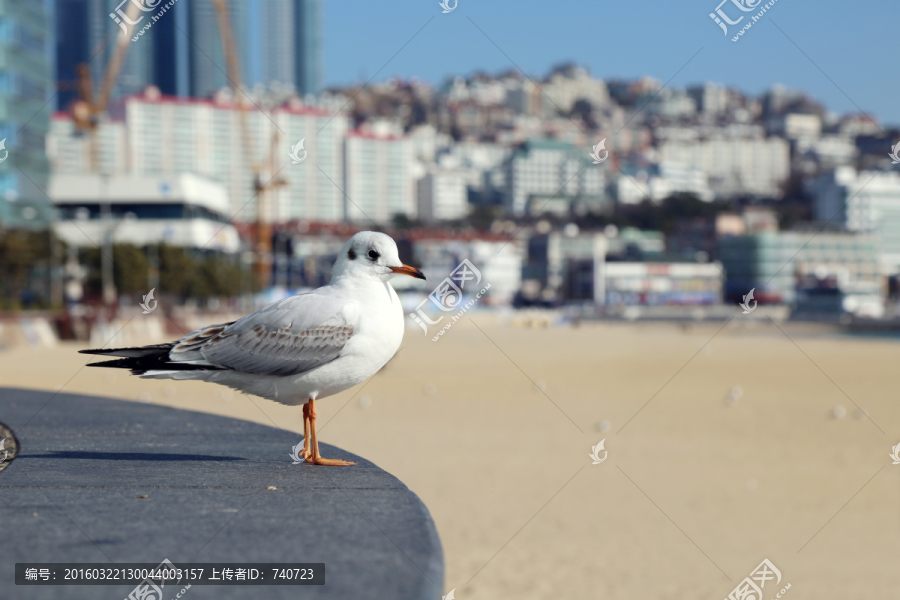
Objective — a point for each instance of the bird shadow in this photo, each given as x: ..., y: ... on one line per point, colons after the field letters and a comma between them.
x: 142, y: 456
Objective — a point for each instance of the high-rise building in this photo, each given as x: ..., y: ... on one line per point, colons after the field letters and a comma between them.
x: 378, y: 179
x: 172, y: 51
x: 207, y: 63
x: 277, y: 42
x: 865, y: 202
x: 309, y: 64
x: 272, y: 44
x: 69, y: 150
x: 162, y: 136
x: 442, y: 195
x: 25, y: 87
x: 86, y: 34
x: 72, y: 44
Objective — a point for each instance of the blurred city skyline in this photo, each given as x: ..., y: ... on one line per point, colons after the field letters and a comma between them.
x: 419, y: 120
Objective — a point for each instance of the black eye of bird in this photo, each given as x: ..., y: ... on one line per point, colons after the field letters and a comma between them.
x: 373, y: 255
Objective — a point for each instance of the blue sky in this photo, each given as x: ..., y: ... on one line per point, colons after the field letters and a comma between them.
x: 854, y: 45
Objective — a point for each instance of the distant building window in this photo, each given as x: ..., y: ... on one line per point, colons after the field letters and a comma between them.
x: 168, y: 210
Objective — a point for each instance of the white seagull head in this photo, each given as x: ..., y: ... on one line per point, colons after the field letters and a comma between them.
x: 372, y: 255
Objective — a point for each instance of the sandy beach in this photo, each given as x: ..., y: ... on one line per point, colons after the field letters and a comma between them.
x: 724, y: 449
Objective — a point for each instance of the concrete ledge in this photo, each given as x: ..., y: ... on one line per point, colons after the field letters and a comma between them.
x: 72, y: 495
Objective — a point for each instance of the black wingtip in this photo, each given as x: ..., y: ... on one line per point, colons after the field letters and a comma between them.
x: 135, y: 352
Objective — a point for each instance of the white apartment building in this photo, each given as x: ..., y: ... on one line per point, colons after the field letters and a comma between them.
x: 734, y: 166
x: 442, y: 195
x: 161, y: 136
x: 548, y: 170
x: 711, y: 98
x: 428, y: 142
x: 173, y: 135
x: 659, y: 182
x: 69, y: 151
x: 866, y: 202
x: 378, y: 177
x: 672, y: 103
x: 828, y: 151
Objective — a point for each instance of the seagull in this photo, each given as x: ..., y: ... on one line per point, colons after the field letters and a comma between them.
x: 299, y: 349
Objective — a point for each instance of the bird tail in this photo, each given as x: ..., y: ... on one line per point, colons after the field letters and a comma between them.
x: 142, y: 359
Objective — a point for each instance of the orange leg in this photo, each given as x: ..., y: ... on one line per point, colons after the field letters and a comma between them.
x: 307, y: 453
x: 316, y: 458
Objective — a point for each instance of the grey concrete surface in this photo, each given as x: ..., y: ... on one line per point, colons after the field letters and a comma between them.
x: 71, y: 495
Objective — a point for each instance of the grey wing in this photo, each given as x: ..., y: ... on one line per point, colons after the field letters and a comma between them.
x: 289, y: 337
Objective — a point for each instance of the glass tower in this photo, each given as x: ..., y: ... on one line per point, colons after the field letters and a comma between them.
x: 25, y: 88
x: 308, y: 56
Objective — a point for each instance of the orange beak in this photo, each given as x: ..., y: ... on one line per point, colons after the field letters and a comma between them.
x: 407, y: 270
